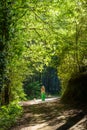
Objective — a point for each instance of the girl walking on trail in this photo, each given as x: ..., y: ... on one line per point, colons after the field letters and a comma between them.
x: 43, y: 96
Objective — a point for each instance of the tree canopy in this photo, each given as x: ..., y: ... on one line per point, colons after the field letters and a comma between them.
x: 39, y: 33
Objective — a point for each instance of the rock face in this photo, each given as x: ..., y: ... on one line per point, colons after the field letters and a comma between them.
x: 76, y: 91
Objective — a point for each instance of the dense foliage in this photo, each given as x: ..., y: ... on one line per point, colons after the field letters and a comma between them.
x: 9, y: 114
x: 34, y: 34
x: 32, y: 89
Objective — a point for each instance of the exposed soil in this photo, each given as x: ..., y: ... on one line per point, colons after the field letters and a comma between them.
x: 52, y: 116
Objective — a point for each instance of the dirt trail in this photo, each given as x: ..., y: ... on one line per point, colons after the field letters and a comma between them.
x: 50, y: 115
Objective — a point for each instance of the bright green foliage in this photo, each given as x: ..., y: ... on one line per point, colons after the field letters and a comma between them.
x: 9, y: 115
x: 12, y: 66
x: 75, y: 44
x: 35, y: 33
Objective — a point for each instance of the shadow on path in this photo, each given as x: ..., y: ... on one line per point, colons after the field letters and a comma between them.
x: 49, y: 116
x: 71, y: 121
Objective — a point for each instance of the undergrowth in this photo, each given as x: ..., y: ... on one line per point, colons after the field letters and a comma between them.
x: 9, y: 115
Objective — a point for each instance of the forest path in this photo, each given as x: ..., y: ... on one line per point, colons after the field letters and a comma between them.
x: 38, y: 101
x: 50, y: 115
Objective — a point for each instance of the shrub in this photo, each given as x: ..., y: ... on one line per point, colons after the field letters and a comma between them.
x: 9, y: 115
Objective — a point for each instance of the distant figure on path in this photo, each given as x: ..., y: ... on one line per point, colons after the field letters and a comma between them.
x: 43, y: 96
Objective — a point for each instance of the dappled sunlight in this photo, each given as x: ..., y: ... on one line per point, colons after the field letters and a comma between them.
x: 37, y: 101
x: 43, y: 64
x: 50, y: 116
x: 34, y: 127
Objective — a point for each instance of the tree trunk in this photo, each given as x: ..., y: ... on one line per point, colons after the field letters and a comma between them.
x: 4, y: 36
